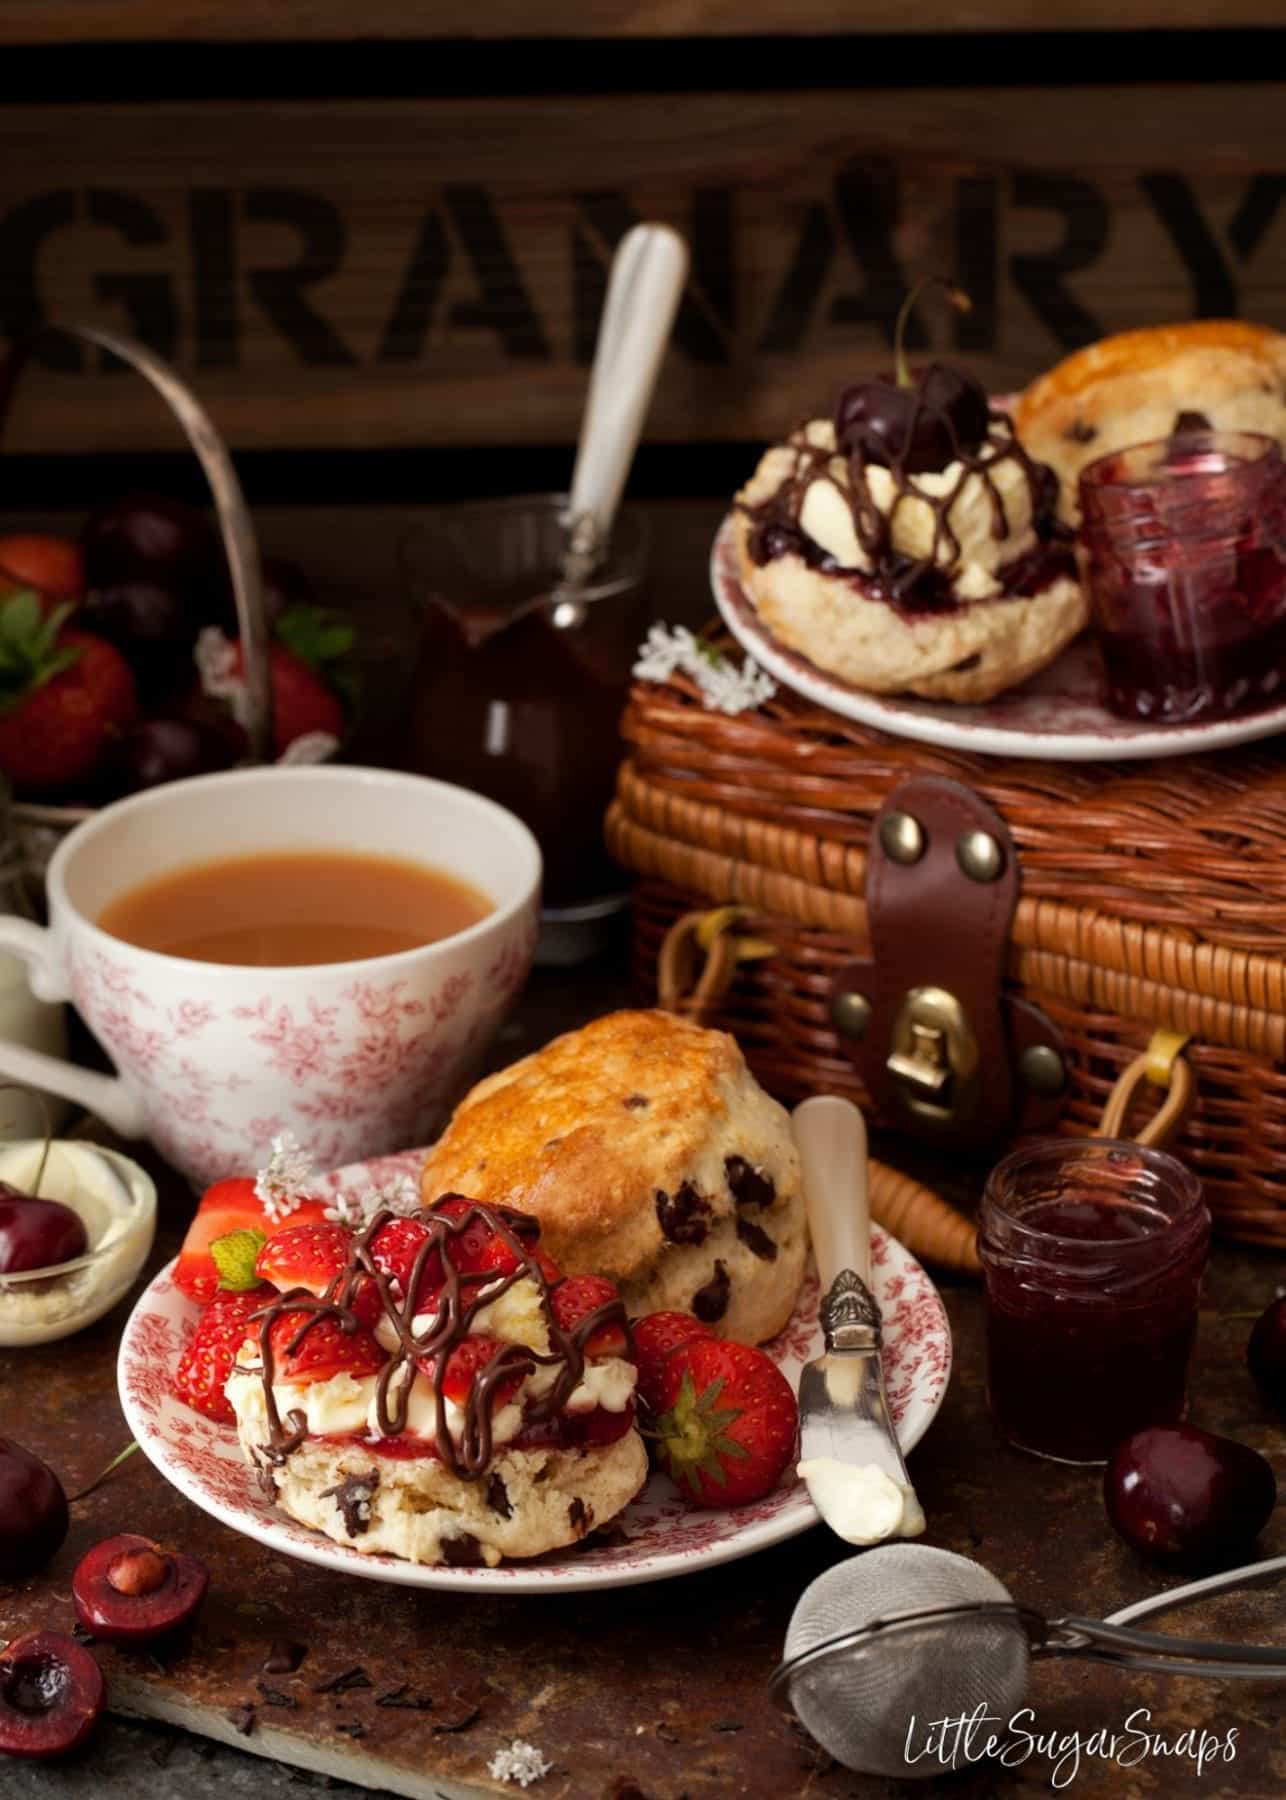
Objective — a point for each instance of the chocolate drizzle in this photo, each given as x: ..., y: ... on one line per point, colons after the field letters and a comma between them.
x: 462, y: 1295
x: 913, y: 584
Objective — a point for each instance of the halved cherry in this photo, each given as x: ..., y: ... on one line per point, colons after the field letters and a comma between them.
x: 127, y: 1590
x: 51, y: 1693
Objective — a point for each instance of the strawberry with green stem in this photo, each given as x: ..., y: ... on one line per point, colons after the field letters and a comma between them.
x: 66, y: 698
x: 726, y: 1422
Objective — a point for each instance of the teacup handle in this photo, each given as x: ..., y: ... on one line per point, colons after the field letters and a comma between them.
x: 109, y: 1097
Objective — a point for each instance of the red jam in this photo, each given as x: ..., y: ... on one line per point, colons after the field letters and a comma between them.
x: 1185, y: 561
x: 1092, y: 1255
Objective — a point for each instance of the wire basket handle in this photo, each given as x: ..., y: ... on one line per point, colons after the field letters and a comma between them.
x: 239, y: 543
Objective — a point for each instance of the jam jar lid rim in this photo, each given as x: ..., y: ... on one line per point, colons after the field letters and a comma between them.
x: 1161, y: 1161
x: 1269, y: 446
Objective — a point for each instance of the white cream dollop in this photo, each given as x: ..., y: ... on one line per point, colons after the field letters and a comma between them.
x: 860, y: 1502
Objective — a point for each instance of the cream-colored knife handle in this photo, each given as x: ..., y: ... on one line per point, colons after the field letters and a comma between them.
x: 831, y: 1137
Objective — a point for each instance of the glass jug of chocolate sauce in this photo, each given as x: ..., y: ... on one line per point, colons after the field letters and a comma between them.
x: 519, y: 693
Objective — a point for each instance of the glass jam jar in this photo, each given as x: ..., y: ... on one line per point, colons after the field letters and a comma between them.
x: 1183, y: 550
x: 1092, y: 1251
x: 519, y: 696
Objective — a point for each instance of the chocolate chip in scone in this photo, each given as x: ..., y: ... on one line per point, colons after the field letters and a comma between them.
x: 462, y: 1552
x: 284, y: 1657
x: 1081, y: 432
x: 1187, y: 423
x: 579, y: 1516
x: 747, y: 1185
x: 498, y: 1495
x: 684, y: 1217
x: 353, y: 1496
x: 242, y: 1719
x: 635, y: 1102
x: 710, y: 1303
x: 756, y: 1240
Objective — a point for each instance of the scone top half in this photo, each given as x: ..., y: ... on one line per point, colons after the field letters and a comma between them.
x: 651, y: 1155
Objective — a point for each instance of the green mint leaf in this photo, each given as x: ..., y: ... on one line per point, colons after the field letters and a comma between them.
x: 316, y: 634
x: 234, y: 1256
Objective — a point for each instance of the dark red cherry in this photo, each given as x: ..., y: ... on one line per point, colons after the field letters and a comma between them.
x: 941, y: 416
x: 51, y: 1693
x: 127, y: 1590
x: 1266, y: 1352
x: 33, y: 1511
x: 37, y: 1234
x: 150, y: 537
x: 1186, y: 1496
x: 168, y: 749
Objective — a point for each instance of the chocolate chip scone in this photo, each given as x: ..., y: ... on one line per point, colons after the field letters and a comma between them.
x: 650, y: 1155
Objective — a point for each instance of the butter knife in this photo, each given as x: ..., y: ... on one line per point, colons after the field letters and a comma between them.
x: 851, y: 1460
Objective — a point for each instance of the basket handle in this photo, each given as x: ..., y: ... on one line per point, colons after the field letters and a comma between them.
x: 1162, y: 1065
x: 239, y: 543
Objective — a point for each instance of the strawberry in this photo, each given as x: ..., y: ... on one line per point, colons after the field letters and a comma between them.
x: 301, y: 701
x: 655, y: 1338
x: 580, y: 1295
x: 726, y: 1422
x: 207, y: 1362
x: 467, y: 1361
x: 477, y: 1249
x: 52, y: 565
x: 308, y: 1256
x: 228, y: 1209
x: 394, y: 1249
x: 325, y: 1351
x: 66, y: 698
x: 313, y: 1256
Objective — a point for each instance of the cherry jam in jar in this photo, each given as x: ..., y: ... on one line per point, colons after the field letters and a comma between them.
x: 1093, y: 1251
x: 1183, y: 549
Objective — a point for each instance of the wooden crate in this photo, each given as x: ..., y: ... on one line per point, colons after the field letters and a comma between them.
x: 363, y: 272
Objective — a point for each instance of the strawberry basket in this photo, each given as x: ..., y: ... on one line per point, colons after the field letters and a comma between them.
x: 39, y: 826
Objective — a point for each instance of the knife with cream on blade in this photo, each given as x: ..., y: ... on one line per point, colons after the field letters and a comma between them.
x: 851, y: 1460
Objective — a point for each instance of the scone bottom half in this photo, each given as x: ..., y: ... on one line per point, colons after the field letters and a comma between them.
x: 446, y: 1394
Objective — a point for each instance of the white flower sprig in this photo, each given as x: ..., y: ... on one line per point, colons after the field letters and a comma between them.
x: 723, y: 686
x: 353, y: 1209
x: 518, y: 1762
x: 283, y: 1183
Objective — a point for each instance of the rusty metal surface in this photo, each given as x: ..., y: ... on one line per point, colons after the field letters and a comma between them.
x: 655, y: 1691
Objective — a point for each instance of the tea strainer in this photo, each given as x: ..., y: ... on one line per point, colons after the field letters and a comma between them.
x: 909, y: 1632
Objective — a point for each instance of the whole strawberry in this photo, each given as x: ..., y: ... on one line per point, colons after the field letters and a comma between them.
x: 727, y: 1422
x: 656, y: 1338
x: 302, y: 701
x: 66, y: 698
x: 207, y: 1362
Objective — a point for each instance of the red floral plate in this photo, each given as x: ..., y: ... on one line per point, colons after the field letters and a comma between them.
x: 1058, y: 715
x: 660, y: 1535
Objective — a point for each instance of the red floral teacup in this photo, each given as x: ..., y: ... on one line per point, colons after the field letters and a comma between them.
x: 214, y: 1060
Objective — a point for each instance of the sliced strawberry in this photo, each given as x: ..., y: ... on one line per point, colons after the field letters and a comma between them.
x: 467, y: 1361
x: 308, y: 1256
x: 547, y: 1266
x: 726, y: 1423
x: 656, y: 1337
x: 228, y: 1206
x: 394, y: 1249
x: 578, y: 1296
x: 315, y: 1257
x: 326, y: 1349
x: 597, y: 1427
x: 477, y: 1249
x: 207, y: 1362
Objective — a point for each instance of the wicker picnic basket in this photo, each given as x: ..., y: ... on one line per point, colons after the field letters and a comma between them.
x: 1147, y: 920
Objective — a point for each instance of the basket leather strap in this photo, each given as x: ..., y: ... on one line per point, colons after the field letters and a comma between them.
x: 934, y: 981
